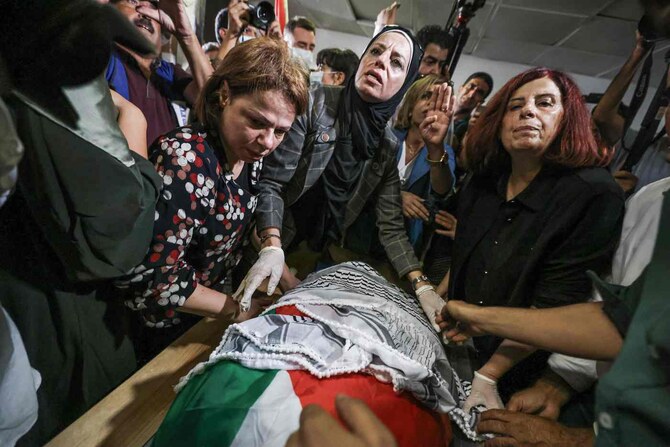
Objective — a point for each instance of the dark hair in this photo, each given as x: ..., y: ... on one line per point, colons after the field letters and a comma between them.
x: 484, y: 77
x: 433, y: 34
x: 300, y: 22
x: 574, y: 146
x: 261, y: 64
x: 345, y: 61
x: 221, y: 21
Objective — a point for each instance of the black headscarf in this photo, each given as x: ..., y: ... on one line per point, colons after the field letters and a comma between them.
x: 360, y: 127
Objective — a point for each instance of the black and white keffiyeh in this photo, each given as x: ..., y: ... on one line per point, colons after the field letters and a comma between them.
x: 355, y: 321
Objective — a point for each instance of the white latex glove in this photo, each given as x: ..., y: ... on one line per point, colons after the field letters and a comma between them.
x: 270, y: 263
x: 484, y: 392
x: 431, y: 303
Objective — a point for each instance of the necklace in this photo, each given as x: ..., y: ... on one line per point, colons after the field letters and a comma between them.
x: 411, y: 151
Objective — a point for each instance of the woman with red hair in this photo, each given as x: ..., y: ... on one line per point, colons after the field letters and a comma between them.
x: 537, y: 212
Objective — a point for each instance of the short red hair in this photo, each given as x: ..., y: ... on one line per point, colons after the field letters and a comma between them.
x: 575, y: 145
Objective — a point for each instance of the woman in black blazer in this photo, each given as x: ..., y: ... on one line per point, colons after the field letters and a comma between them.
x: 537, y: 212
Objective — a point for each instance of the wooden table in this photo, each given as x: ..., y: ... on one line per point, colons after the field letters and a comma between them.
x: 130, y: 415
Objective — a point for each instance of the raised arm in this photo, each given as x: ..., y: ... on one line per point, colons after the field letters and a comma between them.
x: 173, y: 19
x: 606, y: 114
x: 386, y: 16
x: 581, y: 330
x: 237, y: 21
x: 434, y: 131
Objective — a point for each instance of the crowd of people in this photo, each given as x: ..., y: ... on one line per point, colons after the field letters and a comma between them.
x: 138, y: 196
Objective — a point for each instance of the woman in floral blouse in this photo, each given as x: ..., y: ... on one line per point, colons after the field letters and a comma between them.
x: 209, y: 173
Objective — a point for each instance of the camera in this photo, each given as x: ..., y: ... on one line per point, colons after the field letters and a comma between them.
x: 261, y: 15
x: 462, y: 12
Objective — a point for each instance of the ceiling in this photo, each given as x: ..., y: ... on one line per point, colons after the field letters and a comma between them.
x: 588, y: 37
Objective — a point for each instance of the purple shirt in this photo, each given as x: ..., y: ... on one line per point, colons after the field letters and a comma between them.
x: 152, y: 96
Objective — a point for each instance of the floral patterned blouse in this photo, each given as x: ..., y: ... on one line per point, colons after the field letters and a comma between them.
x: 202, y: 220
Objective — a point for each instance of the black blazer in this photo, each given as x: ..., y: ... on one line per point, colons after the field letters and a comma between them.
x: 568, y: 221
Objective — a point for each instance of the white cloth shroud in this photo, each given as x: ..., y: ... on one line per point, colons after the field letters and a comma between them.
x: 355, y: 321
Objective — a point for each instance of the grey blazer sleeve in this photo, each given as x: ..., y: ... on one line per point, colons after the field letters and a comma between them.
x: 278, y: 169
x: 392, y: 232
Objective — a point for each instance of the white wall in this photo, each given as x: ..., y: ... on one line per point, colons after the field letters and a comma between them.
x: 500, y: 71
x: 326, y: 38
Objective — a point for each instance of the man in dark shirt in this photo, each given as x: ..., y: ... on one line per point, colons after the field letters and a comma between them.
x: 436, y: 42
x: 474, y: 91
x: 151, y: 84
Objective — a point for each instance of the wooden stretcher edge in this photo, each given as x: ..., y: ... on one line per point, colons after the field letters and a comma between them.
x: 130, y: 415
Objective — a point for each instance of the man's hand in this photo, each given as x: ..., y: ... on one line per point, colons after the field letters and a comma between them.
x: 171, y: 14
x: 448, y: 223
x: 545, y: 398
x: 238, y: 18
x: 523, y: 430
x: 386, y: 17
x: 626, y: 180
x: 413, y: 207
x: 456, y: 321
x: 274, y: 30
x: 320, y: 429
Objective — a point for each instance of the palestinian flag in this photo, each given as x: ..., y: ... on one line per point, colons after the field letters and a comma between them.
x: 281, y: 12
x: 231, y: 405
